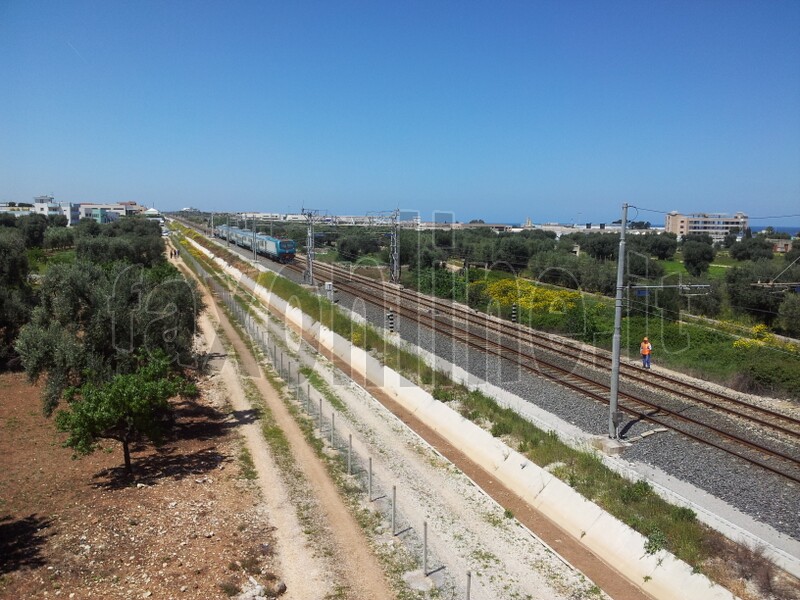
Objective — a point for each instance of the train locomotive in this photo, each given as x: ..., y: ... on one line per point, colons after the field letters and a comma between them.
x: 282, y: 251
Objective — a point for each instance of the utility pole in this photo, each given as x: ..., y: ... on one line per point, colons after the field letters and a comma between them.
x: 394, y: 248
x: 228, y: 237
x: 212, y: 224
x: 613, y: 416
x: 308, y: 276
x: 255, y: 256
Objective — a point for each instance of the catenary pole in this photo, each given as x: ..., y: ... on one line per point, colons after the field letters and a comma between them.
x: 615, y: 347
x: 394, y: 253
x: 255, y: 256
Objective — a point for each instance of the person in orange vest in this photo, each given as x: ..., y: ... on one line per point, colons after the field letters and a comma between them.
x: 646, y: 348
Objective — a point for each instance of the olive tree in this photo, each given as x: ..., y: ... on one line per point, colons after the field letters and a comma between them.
x: 697, y: 257
x: 15, y: 294
x: 94, y: 321
x: 128, y: 408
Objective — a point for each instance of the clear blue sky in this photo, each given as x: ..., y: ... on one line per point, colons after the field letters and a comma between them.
x: 557, y: 111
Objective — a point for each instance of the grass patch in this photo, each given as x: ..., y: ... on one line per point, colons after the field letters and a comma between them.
x: 229, y: 588
x: 634, y: 503
x: 323, y: 388
x: 247, y: 465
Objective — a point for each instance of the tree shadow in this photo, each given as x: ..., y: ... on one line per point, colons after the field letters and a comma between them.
x: 21, y: 542
x: 165, y: 462
x: 191, y: 422
x: 198, y: 422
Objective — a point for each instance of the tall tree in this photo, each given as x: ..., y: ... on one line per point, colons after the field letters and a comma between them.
x: 756, y: 300
x: 662, y: 246
x: 601, y: 246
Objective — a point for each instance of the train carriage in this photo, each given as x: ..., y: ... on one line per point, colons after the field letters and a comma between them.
x: 281, y: 250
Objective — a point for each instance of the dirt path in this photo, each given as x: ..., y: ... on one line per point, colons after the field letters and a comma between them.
x: 352, y: 570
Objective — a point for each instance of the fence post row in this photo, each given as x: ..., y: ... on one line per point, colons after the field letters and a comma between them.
x: 250, y: 325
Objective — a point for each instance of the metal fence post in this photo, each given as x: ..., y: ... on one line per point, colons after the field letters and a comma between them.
x: 425, y: 548
x: 394, y: 508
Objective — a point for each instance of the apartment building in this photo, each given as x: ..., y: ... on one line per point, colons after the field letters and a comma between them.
x: 717, y: 225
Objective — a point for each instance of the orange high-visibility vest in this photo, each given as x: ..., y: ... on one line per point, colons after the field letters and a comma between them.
x: 646, y: 347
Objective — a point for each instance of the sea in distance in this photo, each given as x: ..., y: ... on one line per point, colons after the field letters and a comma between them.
x: 793, y: 230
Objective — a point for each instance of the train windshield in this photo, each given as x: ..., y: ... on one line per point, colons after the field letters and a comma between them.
x: 287, y: 245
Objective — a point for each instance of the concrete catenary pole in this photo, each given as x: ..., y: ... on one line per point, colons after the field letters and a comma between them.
x: 394, y: 251
x: 255, y: 256
x: 309, y: 274
x: 615, y: 344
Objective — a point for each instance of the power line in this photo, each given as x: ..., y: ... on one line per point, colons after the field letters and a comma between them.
x: 666, y: 212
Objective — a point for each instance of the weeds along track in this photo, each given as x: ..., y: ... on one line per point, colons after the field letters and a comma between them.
x: 762, y: 437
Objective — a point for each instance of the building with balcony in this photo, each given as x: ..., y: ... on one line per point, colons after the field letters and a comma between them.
x: 717, y: 225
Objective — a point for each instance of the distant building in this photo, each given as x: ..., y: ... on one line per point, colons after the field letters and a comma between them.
x: 780, y: 246
x: 717, y: 225
x: 152, y: 214
x: 72, y: 211
x: 14, y: 210
x: 105, y: 213
x: 48, y: 208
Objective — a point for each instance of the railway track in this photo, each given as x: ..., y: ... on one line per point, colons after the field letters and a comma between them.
x: 594, y: 358
x: 765, y: 438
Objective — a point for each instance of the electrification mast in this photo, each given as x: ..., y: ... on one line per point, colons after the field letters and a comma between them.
x: 255, y: 256
x: 308, y: 276
x: 613, y: 416
x: 394, y: 248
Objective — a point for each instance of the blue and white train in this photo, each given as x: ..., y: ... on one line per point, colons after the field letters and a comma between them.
x: 281, y: 250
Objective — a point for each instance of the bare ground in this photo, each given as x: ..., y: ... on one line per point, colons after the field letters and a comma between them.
x: 82, y: 529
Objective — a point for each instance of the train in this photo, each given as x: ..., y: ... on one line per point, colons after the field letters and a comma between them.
x: 277, y: 249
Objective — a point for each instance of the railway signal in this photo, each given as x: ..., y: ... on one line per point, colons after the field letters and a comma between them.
x: 514, y: 316
x: 390, y: 321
